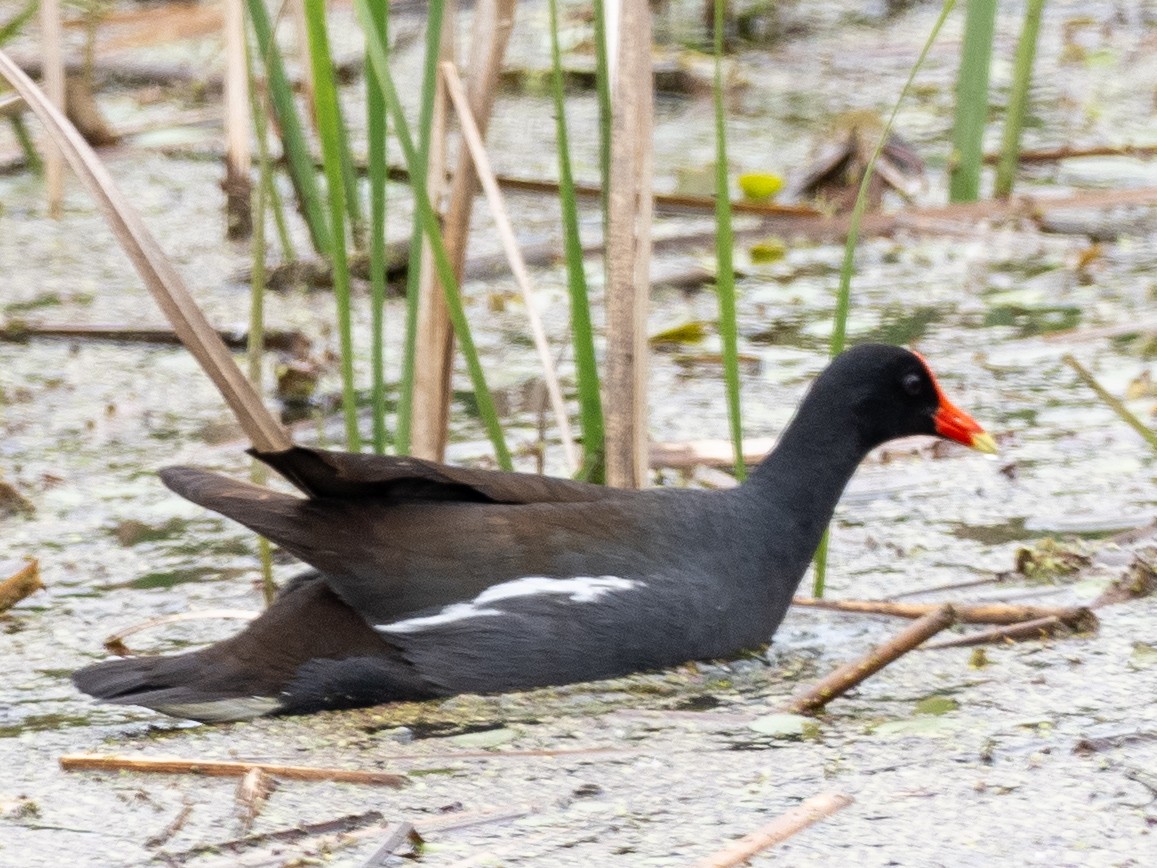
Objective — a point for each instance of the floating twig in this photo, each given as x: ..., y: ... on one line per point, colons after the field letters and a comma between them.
x: 1038, y: 628
x: 23, y: 580
x: 1090, y: 745
x: 341, y: 825
x: 1097, y: 333
x: 471, y: 819
x: 290, y: 341
x: 513, y: 754
x: 966, y: 613
x: 1138, y: 580
x: 400, y: 833
x: 777, y: 831
x: 1134, y: 534
x: 1114, y: 403
x: 224, y: 768
x: 254, y: 788
x: 332, y: 835
x: 709, y: 453
x: 12, y: 502
x: 1054, y: 155
x: 172, y: 829
x: 115, y: 644
x: 995, y: 578
x: 850, y: 674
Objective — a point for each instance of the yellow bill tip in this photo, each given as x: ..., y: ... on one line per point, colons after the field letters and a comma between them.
x: 983, y: 442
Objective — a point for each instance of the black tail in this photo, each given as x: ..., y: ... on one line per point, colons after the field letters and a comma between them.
x: 181, y: 686
x: 269, y: 513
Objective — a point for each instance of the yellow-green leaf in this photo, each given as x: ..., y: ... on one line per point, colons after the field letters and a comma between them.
x: 760, y: 186
x: 768, y: 250
x: 691, y: 332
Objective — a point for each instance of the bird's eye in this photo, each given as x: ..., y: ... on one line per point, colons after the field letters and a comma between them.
x: 912, y: 383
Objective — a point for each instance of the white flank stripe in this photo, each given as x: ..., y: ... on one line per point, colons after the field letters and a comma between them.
x: 580, y: 589
x: 453, y: 612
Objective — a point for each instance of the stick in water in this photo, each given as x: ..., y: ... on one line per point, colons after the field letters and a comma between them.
x: 23, y: 580
x: 966, y: 613
x: 224, y: 768
x: 850, y: 674
x: 777, y: 831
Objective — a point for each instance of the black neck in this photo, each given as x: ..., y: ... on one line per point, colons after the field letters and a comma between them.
x: 803, y: 477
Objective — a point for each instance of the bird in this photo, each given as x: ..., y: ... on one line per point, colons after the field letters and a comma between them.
x: 428, y: 580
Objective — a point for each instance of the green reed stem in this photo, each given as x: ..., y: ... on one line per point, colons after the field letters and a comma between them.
x: 1018, y: 100
x: 12, y: 27
x: 724, y: 248
x: 430, y: 226
x: 972, y: 101
x: 256, y: 339
x: 294, y: 143
x: 329, y: 128
x: 27, y: 145
x: 847, y: 268
x: 273, y: 196
x: 1112, y: 401
x: 586, y: 367
x: 349, y: 176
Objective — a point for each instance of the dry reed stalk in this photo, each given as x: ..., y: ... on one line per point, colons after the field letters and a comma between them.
x: 435, y: 335
x: 1038, y: 628
x: 115, y: 644
x: 472, y: 137
x: 23, y: 581
x: 629, y: 208
x: 493, y: 21
x: 160, y: 276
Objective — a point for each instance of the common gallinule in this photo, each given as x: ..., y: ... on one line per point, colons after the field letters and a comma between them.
x: 432, y: 580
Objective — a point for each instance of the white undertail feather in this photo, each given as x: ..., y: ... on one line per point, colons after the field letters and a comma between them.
x: 222, y: 710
